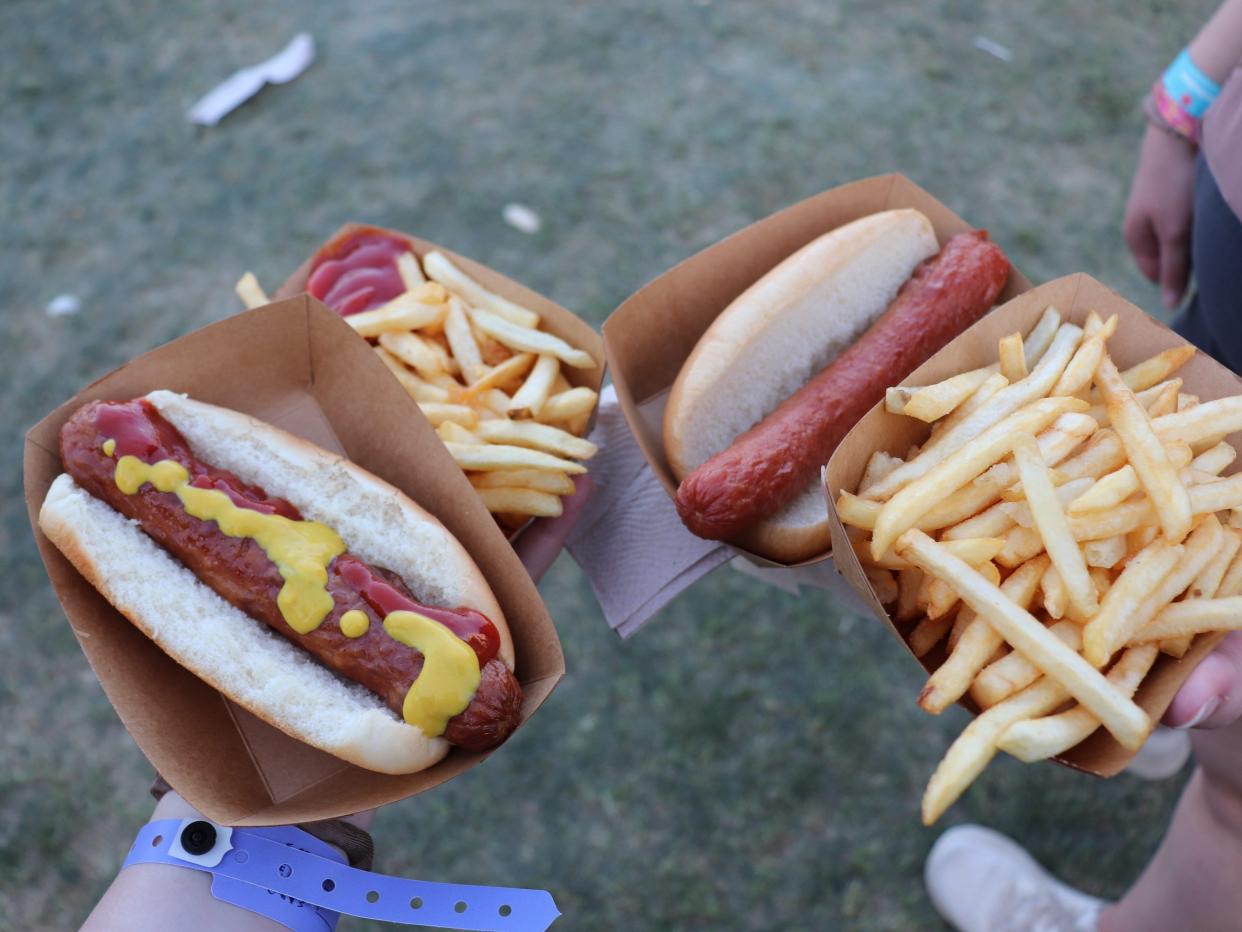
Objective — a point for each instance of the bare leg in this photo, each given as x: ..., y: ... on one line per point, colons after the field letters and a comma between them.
x: 1192, y: 882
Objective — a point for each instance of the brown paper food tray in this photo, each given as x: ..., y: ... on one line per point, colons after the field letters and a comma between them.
x: 649, y: 336
x: 1138, y: 336
x: 297, y: 365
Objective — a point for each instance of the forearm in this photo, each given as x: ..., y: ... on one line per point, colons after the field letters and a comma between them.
x: 1217, y: 49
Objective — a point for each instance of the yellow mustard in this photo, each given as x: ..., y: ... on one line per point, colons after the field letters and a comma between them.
x: 301, y: 550
x: 450, y: 673
x: 354, y: 623
x: 109, y: 447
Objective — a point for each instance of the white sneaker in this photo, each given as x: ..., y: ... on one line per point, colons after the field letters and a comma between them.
x: 1161, y: 756
x: 981, y: 881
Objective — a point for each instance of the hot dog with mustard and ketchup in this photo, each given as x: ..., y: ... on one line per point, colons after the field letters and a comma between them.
x: 791, y: 365
x: 302, y: 587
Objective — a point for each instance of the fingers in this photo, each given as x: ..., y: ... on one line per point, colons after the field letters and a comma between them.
x: 1140, y: 236
x: 1212, y: 695
x: 538, y: 546
x: 1174, y: 266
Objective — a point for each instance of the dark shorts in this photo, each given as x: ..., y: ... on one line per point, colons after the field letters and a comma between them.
x: 1213, y: 320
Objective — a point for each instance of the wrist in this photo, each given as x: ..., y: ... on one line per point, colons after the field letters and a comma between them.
x: 1180, y: 97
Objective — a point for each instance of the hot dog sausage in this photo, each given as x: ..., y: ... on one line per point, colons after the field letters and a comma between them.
x: 238, y: 570
x: 766, y: 467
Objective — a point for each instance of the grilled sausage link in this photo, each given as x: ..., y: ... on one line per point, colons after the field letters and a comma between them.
x: 239, y: 571
x: 766, y: 467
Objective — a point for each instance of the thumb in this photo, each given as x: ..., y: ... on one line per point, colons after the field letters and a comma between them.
x: 1212, y: 695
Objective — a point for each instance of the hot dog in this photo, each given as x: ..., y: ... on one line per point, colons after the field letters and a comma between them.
x: 732, y: 494
x: 436, y: 668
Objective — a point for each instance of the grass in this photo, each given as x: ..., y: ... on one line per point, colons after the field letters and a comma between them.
x: 751, y: 760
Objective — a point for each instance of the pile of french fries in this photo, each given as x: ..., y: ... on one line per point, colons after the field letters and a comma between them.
x: 488, y: 379
x: 1064, y: 524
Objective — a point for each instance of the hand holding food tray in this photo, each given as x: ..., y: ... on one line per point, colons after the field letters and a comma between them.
x: 509, y: 379
x: 1060, y: 551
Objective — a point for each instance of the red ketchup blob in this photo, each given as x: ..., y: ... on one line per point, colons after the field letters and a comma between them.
x: 357, y: 272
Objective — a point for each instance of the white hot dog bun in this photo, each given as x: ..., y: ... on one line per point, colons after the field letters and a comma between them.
x: 773, y: 338
x: 240, y: 656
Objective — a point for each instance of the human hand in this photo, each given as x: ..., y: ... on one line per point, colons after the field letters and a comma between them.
x: 538, y: 546
x: 1158, y: 212
x: 1212, y: 695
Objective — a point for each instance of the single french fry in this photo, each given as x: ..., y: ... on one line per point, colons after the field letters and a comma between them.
x: 1231, y: 584
x: 250, y: 291
x: 568, y: 404
x: 440, y: 269
x: 1104, y: 553
x: 991, y: 385
x: 1145, y: 452
x: 455, y: 433
x: 537, y: 436
x: 942, y: 597
x: 488, y: 457
x: 1115, y: 487
x: 1004, y: 677
x: 1056, y: 598
x: 554, y: 483
x: 438, y: 413
x: 1158, y: 367
x: 929, y: 632
x: 521, y: 502
x: 529, y: 400
x: 975, y: 551
x: 1165, y: 403
x: 1185, y: 401
x: 1012, y: 358
x: 1215, y: 459
x: 903, y: 510
x: 1207, y: 583
x: 1194, y: 616
x: 883, y: 582
x: 1216, y: 418
x: 418, y: 389
x: 1077, y: 375
x: 1120, y: 612
x: 399, y: 314
x: 879, y: 464
x: 461, y: 341
x: 507, y: 373
x: 996, y: 409
x: 1124, y: 720
x: 408, y: 268
x: 908, y: 582
x: 1216, y: 496
x: 1101, y: 454
x: 978, y: 642
x: 1040, y: 337
x: 856, y: 511
x: 1037, y: 739
x: 420, y: 354
x: 531, y: 341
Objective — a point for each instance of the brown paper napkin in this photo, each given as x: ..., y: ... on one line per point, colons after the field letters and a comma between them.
x: 634, y: 549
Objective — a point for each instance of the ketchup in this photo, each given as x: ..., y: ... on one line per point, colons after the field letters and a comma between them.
x: 359, y: 272
x: 472, y: 627
x: 140, y: 430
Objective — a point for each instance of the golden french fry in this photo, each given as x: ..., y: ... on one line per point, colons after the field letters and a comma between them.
x: 1165, y: 403
x: 509, y: 371
x: 1055, y: 596
x: 929, y: 632
x: 250, y: 291
x: 1215, y: 459
x: 996, y: 409
x: 416, y: 387
x: 488, y: 457
x: 942, y: 598
x: 1157, y: 368
x: 440, y: 269
x: 1216, y: 496
x: 411, y: 275
x: 1124, y: 720
x: 1077, y: 375
x: 531, y: 341
x: 883, y: 583
x: 568, y: 404
x: 908, y: 582
x: 1036, y: 739
x: 932, y: 402
x: 538, y: 436
x: 1194, y: 616
x: 462, y: 342
x: 1232, y: 582
x: 1104, y: 553
x: 438, y: 413
x: 1118, y: 485
x: 1040, y: 337
x: 1120, y: 612
x: 1186, y: 401
x: 1215, y: 418
x: 1021, y: 544
x: 423, y: 356
x: 1208, y: 581
x: 455, y: 433
x: 974, y: 551
x: 528, y: 401
x: 521, y: 502
x: 976, y: 745
x: 904, y: 509
x: 857, y: 512
x: 1147, y: 397
x: 1101, y: 454
x: 1013, y: 672
x: 1145, y: 452
x: 554, y: 483
x: 1012, y: 358
x: 991, y: 385
x: 879, y: 465
x: 401, y: 313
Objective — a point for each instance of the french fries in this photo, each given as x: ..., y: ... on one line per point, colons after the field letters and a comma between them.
x: 1064, y: 524
x: 489, y: 381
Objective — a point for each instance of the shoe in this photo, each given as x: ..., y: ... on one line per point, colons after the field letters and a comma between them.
x: 1164, y: 754
x: 981, y: 881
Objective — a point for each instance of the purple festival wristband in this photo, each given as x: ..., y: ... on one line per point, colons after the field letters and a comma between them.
x: 293, y: 878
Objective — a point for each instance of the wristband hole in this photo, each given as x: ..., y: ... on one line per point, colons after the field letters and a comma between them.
x: 329, y: 886
x: 460, y: 907
x: 373, y: 896
x: 416, y: 903
x: 505, y: 910
x: 285, y: 870
x: 155, y: 842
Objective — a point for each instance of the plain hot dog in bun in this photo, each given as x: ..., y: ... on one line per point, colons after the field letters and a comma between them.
x: 786, y: 369
x: 302, y: 587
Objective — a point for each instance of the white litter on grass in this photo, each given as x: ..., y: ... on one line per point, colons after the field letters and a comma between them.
x: 995, y: 49
x: 63, y: 305
x: 235, y: 90
x: 522, y: 218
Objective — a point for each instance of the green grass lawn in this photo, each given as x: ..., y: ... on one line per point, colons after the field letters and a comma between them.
x: 750, y: 760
